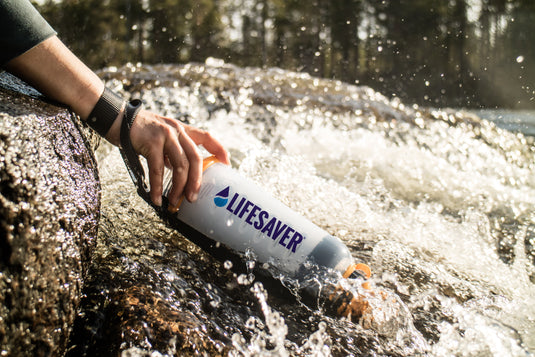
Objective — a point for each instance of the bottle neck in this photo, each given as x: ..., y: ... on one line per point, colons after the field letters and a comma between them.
x: 209, y: 161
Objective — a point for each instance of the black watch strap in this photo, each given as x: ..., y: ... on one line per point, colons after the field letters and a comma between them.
x: 105, y: 112
x: 130, y: 157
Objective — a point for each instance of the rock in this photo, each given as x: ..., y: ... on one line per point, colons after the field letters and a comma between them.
x: 49, y: 210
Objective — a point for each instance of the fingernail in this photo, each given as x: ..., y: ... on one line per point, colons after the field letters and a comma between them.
x: 158, y: 201
x: 175, y: 205
x: 192, y: 196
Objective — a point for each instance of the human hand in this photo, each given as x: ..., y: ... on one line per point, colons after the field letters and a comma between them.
x: 166, y: 142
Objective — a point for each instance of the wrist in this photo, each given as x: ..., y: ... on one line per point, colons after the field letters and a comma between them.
x: 114, y: 134
x: 106, y: 112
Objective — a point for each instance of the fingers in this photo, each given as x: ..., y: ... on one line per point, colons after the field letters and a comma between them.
x: 154, y: 142
x: 186, y: 164
x: 194, y: 175
x: 165, y: 142
x: 204, y: 138
x: 155, y: 162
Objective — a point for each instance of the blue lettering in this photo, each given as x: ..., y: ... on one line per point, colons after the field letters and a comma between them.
x: 229, y: 207
x: 295, y: 241
x: 260, y: 223
x: 278, y: 230
x: 286, y: 235
x: 239, y: 206
x: 256, y: 217
x: 252, y: 215
x: 245, y: 208
x: 269, y: 226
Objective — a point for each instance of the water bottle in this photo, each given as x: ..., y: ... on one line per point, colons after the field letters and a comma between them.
x: 233, y: 211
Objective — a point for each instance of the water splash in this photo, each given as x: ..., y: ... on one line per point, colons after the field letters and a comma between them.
x: 438, y: 202
x: 269, y: 336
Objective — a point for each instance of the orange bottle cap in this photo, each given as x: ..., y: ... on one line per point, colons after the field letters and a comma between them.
x: 209, y: 161
x: 360, y: 266
x: 365, y: 269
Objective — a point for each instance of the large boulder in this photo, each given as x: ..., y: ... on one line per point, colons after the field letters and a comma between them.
x: 49, y: 210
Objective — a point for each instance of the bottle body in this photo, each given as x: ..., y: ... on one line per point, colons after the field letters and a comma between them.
x: 234, y: 211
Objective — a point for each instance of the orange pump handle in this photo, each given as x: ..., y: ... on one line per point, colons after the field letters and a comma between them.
x: 360, y: 266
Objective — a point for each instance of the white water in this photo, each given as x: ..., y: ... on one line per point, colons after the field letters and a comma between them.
x: 425, y: 203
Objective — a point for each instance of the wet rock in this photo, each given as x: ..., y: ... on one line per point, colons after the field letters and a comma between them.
x: 140, y: 319
x: 49, y: 209
x: 147, y: 288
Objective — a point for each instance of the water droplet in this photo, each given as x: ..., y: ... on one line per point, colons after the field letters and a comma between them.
x: 214, y: 303
x: 243, y: 279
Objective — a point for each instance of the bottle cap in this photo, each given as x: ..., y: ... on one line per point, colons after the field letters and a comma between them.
x: 358, y: 269
x: 209, y: 161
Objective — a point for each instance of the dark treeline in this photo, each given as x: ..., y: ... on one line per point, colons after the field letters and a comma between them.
x: 431, y: 52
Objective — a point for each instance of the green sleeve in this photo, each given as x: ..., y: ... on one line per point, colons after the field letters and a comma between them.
x: 21, y: 28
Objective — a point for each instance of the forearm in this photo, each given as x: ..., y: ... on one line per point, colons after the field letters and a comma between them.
x: 55, y: 71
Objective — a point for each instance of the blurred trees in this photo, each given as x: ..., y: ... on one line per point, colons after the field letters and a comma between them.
x: 431, y: 52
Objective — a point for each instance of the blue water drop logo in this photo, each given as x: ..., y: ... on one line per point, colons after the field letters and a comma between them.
x: 221, y: 198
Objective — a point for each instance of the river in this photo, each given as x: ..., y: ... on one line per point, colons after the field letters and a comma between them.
x: 439, y: 203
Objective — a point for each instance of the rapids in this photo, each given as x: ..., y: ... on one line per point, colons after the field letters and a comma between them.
x: 439, y: 203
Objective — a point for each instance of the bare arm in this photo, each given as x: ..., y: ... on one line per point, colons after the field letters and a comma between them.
x: 55, y: 71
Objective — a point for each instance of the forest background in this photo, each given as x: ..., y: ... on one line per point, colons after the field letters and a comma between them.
x: 440, y: 53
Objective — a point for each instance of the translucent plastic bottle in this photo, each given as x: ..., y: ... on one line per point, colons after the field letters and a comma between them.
x: 234, y: 211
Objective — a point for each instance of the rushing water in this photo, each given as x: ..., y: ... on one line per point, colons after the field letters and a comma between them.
x: 522, y: 121
x: 440, y: 204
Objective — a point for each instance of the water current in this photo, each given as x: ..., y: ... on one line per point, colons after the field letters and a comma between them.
x: 439, y: 203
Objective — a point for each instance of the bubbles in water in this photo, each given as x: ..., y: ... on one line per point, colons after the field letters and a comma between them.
x: 245, y: 279
x: 250, y: 264
x: 269, y: 336
x: 251, y: 258
x: 437, y: 202
x: 318, y: 343
x: 476, y: 334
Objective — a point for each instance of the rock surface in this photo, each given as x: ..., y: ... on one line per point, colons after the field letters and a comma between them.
x: 49, y: 211
x: 148, y: 289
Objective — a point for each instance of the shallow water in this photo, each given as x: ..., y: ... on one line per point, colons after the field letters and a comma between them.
x: 440, y: 204
x: 521, y: 121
